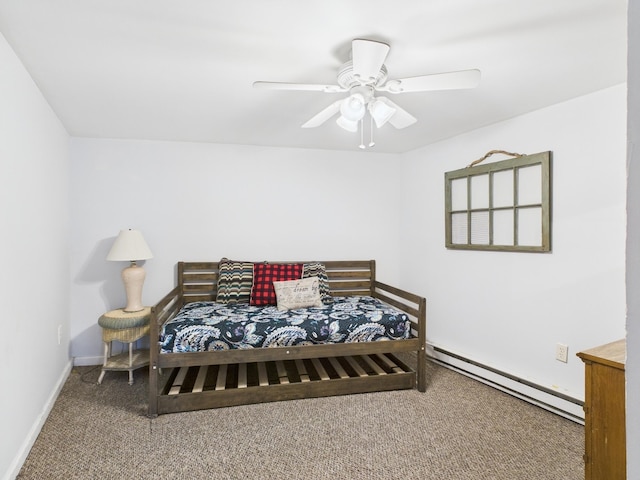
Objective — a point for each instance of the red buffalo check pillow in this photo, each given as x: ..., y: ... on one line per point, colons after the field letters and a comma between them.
x: 264, y: 274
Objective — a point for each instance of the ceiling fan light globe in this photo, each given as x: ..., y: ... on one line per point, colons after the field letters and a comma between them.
x: 353, y: 108
x: 348, y: 125
x: 381, y: 112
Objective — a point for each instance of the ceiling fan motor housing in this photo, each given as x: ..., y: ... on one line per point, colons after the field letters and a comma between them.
x: 347, y: 79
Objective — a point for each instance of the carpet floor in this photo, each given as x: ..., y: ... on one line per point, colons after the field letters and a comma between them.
x: 458, y: 430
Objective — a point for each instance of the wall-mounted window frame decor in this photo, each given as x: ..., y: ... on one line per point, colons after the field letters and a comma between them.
x: 500, y: 206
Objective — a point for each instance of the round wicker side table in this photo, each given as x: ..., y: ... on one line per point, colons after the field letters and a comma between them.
x: 124, y: 327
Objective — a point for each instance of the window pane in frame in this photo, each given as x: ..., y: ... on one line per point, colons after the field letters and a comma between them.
x: 459, y: 194
x: 503, y: 231
x: 480, y: 191
x: 530, y: 226
x: 480, y: 228
x: 460, y: 228
x: 529, y: 182
x: 503, y: 188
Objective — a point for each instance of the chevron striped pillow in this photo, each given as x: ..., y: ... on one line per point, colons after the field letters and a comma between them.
x: 234, y: 281
x: 317, y: 269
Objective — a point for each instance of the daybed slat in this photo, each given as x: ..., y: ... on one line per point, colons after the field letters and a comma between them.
x: 199, y: 298
x: 338, y: 368
x: 398, y: 292
x: 167, y: 300
x: 354, y: 364
x: 399, y: 363
x: 196, y: 288
x: 344, y: 264
x: 200, y: 277
x: 263, y: 378
x: 202, y: 375
x: 350, y: 284
x: 242, y: 375
x: 339, y: 275
x: 167, y: 307
x: 302, y: 371
x: 189, y: 266
x: 389, y: 363
x: 221, y: 381
x: 282, y: 372
x: 177, y: 382
x: 373, y: 365
x: 402, y: 306
x: 320, y: 369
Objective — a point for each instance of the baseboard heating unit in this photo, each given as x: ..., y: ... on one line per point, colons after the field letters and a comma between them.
x: 544, y: 397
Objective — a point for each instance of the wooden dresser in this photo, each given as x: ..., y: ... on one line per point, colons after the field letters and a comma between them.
x: 604, y: 407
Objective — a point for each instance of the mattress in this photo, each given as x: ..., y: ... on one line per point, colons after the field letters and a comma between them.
x: 207, y: 326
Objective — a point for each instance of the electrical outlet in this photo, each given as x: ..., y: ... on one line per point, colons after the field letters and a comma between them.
x: 562, y: 352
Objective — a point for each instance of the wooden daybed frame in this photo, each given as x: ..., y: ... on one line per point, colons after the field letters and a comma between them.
x: 193, y: 381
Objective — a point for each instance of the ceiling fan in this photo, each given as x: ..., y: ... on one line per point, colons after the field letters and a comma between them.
x: 364, y: 76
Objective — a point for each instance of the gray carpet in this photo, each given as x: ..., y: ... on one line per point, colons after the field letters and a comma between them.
x: 459, y: 429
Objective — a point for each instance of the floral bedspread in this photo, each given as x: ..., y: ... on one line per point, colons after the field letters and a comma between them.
x: 203, y: 326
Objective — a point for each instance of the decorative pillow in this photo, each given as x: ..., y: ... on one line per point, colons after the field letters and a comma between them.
x: 264, y: 274
x: 317, y: 269
x: 234, y: 281
x: 301, y: 293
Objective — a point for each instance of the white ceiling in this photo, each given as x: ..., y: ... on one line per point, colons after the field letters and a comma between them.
x: 183, y: 70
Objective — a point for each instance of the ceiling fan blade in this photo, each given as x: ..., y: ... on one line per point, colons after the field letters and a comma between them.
x: 438, y: 81
x: 401, y: 118
x: 299, y: 86
x: 324, y: 115
x: 368, y: 57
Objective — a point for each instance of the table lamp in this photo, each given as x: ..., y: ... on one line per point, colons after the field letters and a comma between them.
x: 130, y: 246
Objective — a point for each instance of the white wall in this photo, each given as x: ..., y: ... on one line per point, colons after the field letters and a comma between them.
x: 508, y: 310
x: 202, y: 202
x: 34, y: 253
x: 633, y: 244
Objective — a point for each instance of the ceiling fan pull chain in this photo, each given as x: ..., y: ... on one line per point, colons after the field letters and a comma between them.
x: 371, y: 143
x: 361, y: 134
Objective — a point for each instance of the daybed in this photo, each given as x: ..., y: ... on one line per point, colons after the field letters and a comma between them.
x: 254, y: 363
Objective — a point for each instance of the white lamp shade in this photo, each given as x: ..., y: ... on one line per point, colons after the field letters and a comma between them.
x: 129, y: 246
x: 381, y: 112
x: 352, y: 107
x: 348, y: 125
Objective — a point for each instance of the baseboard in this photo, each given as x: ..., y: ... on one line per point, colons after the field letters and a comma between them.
x: 530, y: 392
x: 25, y: 448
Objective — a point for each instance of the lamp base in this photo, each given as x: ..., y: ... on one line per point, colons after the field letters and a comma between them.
x: 133, y: 278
